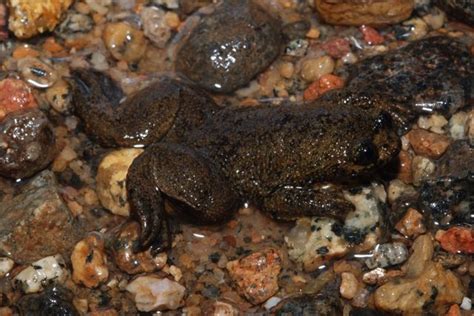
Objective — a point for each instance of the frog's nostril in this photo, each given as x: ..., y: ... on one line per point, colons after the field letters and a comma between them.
x: 366, y: 153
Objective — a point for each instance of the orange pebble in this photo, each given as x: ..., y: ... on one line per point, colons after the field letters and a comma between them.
x: 457, y: 239
x: 24, y: 51
x: 324, y: 84
x: 454, y: 311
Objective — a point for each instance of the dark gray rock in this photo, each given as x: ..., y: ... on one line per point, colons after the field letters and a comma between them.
x: 37, y: 223
x: 230, y: 46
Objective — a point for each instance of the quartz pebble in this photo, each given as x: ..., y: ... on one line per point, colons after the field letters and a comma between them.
x: 312, y: 241
x: 14, y: 96
x: 217, y: 308
x: 256, y: 275
x: 386, y: 255
x: 59, y: 97
x: 111, y: 180
x: 349, y: 285
x: 155, y: 26
x: 89, y: 262
x: 124, y: 41
x: 313, y: 68
x: 297, y: 47
x: 428, y: 144
x: 397, y: 189
x: 40, y: 273
x: 434, y: 123
x: 131, y: 261
x: 6, y: 264
x: 151, y: 293
x: 32, y: 17
x: 458, y: 125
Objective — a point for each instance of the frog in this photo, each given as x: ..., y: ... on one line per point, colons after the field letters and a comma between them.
x: 202, y: 162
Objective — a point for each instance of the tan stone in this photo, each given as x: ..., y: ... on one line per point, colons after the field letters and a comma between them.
x: 428, y: 144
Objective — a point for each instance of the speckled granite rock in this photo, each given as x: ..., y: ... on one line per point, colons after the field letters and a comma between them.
x: 36, y: 223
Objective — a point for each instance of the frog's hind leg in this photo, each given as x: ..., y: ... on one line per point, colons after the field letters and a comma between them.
x: 291, y: 202
x: 180, y: 176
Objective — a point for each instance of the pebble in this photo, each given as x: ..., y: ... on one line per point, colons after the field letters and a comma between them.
x: 37, y: 73
x: 374, y: 276
x: 337, y: 47
x: 411, y: 224
x: 422, y: 168
x: 111, y: 180
x: 371, y: 36
x: 75, y: 23
x: 319, y: 87
x: 397, y: 189
x: 386, y: 255
x: 417, y: 29
x: 349, y: 285
x: 40, y: 273
x: 287, y: 69
x: 229, y: 46
x: 256, y: 275
x: 458, y: 125
x: 155, y: 26
x: 272, y: 302
x: 131, y: 261
x: 59, y: 97
x: 124, y: 41
x: 36, y: 223
x: 151, y: 293
x: 220, y: 308
x: 89, y: 262
x: 297, y: 47
x: 434, y: 123
x: 428, y: 144
x: 6, y: 264
x: 314, y: 68
x: 457, y: 239
x: 466, y: 303
x: 368, y: 208
x: 15, y: 95
x: 169, y: 4
x: 424, y: 278
x: 312, y: 242
x: 32, y: 17
x: 405, y: 167
x: 349, y: 58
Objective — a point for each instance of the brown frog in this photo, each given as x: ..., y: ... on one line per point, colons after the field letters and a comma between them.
x: 206, y: 161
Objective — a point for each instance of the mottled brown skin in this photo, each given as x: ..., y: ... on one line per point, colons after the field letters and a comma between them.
x: 270, y: 156
x: 230, y: 46
x: 26, y: 143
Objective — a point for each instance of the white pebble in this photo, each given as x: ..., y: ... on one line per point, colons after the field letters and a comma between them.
x: 313, y: 68
x: 155, y: 26
x: 458, y: 125
x: 40, y: 273
x: 272, y: 302
x: 151, y: 293
x: 6, y: 264
x: 434, y: 123
x: 466, y: 304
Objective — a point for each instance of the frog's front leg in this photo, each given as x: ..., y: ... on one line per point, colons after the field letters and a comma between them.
x: 191, y: 183
x: 291, y: 202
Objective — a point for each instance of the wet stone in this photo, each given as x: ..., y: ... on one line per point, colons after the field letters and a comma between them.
x: 36, y: 223
x: 386, y: 255
x: 230, y: 46
x: 54, y: 301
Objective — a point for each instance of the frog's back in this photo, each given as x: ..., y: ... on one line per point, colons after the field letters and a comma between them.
x: 262, y: 148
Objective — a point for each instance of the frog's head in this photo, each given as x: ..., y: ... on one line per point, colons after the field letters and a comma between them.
x: 377, y: 147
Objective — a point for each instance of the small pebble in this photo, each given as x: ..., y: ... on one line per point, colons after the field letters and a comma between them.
x: 386, y: 255
x: 41, y: 273
x: 371, y: 36
x: 256, y: 276
x: 349, y: 285
x: 89, y: 262
x: 272, y: 302
x: 422, y: 168
x: 59, y: 96
x: 151, y: 293
x: 313, y: 68
x: 411, y: 224
x: 397, y: 189
x: 466, y: 303
x: 428, y: 144
x: 297, y: 48
x: 434, y: 123
x: 336, y: 48
x: 458, y: 125
x: 6, y: 264
x: 111, y: 180
x: 155, y: 26
x: 435, y: 19
x: 287, y: 69
x: 37, y: 73
x: 417, y: 29
x: 15, y: 95
x: 405, y: 167
x: 124, y: 41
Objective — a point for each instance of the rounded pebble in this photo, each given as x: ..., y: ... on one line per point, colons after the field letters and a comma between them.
x: 314, y: 68
x: 124, y: 41
x: 89, y: 262
x: 155, y: 26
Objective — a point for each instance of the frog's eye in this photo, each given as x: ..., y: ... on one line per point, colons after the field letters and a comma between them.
x: 384, y: 120
x: 365, y: 153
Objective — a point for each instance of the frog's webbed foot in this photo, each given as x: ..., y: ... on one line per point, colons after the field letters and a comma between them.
x: 190, y: 183
x: 292, y: 202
